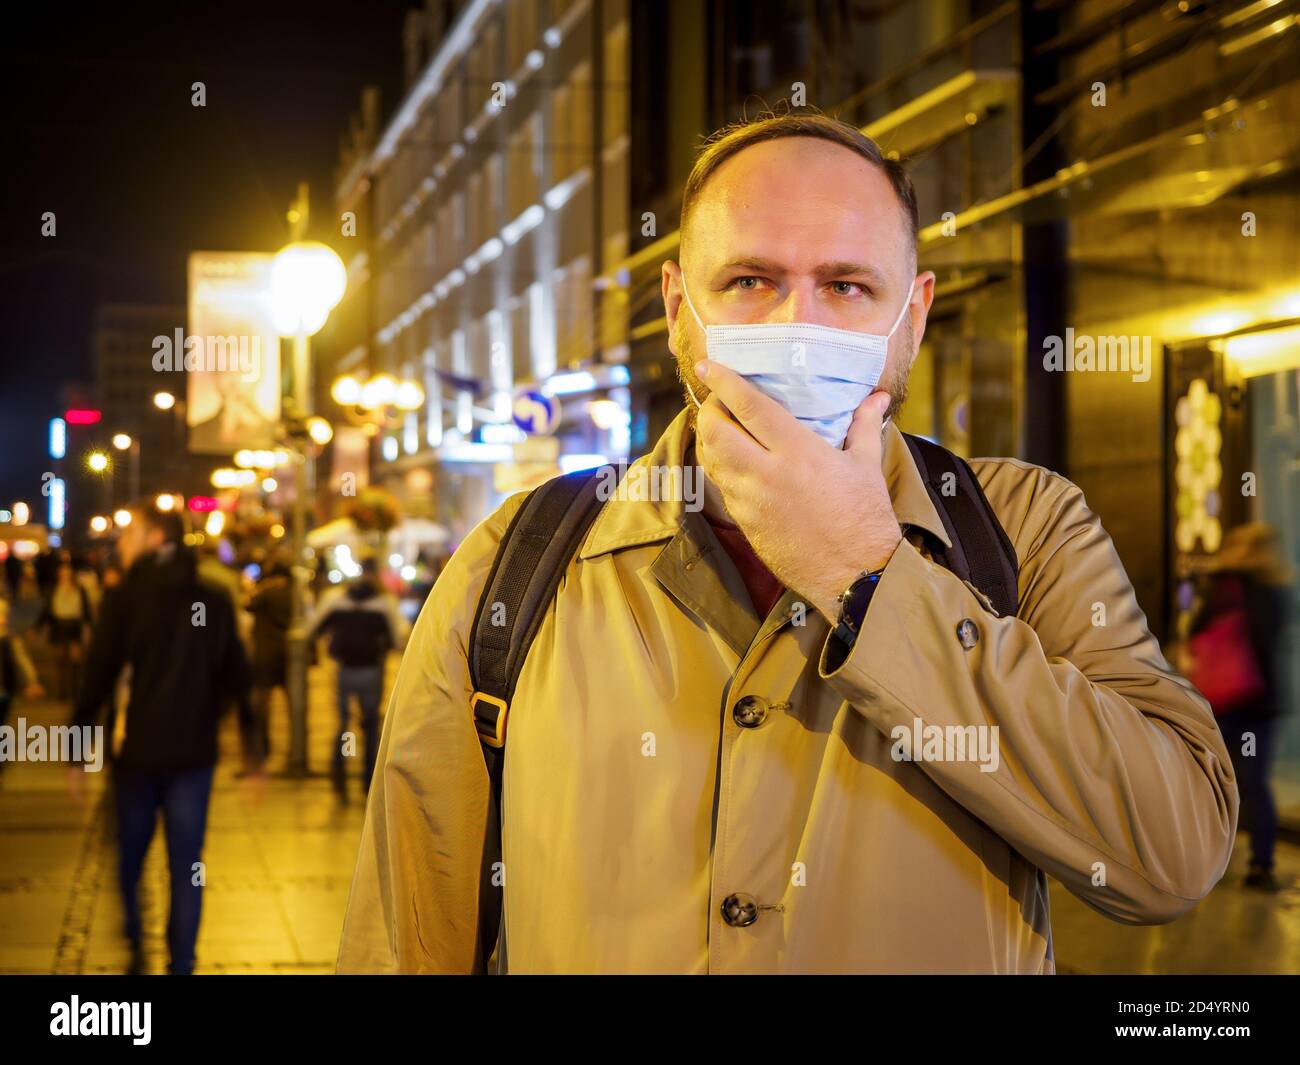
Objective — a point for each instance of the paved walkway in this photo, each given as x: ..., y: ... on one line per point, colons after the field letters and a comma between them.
x: 278, y: 870
x: 278, y: 874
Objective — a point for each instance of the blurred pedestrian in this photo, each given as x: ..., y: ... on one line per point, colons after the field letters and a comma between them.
x: 66, y: 617
x: 13, y: 573
x: 17, y: 674
x: 46, y: 565
x: 111, y: 576
x: 272, y: 608
x: 1238, y: 664
x: 177, y: 635
x: 87, y: 576
x: 363, y: 623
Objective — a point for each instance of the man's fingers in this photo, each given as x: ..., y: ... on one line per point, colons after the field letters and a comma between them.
x: 725, y: 443
x: 763, y: 417
x: 868, y: 419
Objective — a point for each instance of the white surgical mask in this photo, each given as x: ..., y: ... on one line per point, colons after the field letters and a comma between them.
x: 818, y: 373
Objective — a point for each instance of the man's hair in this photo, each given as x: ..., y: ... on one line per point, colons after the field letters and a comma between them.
x: 171, y: 523
x: 770, y: 126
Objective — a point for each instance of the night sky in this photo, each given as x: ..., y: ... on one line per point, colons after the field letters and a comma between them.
x: 100, y: 130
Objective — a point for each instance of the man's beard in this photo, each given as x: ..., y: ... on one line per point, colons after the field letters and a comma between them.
x: 894, y: 382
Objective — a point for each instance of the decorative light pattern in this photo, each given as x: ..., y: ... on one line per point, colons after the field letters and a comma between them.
x: 1197, y: 472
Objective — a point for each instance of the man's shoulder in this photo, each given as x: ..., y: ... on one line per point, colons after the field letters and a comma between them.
x: 484, y: 539
x: 1027, y: 498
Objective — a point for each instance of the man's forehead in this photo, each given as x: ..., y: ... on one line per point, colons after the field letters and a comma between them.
x: 797, y: 197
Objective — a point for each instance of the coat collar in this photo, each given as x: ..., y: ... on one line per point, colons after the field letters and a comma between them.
x: 652, y: 510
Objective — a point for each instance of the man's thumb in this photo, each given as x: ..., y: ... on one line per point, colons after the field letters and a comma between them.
x: 867, y: 422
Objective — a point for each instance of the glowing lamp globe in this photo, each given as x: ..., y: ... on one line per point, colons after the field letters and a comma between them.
x: 307, y: 281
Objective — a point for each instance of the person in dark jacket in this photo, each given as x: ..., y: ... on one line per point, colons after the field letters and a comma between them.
x: 179, y: 638
x: 363, y: 623
x: 1247, y: 576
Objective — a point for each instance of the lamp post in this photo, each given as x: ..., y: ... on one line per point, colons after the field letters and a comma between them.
x: 307, y: 281
x: 131, y: 445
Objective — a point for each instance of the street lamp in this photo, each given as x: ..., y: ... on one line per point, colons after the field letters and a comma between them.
x: 97, y: 462
x: 378, y: 400
x: 164, y: 400
x: 320, y: 431
x: 307, y: 281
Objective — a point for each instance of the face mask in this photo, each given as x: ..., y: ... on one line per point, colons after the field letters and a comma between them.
x: 817, y: 373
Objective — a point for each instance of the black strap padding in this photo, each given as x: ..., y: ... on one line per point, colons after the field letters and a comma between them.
x: 531, y: 560
x: 534, y: 553
x: 981, y: 552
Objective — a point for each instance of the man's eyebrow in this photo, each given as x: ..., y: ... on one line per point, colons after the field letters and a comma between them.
x: 842, y: 268
x: 848, y: 269
x: 749, y: 262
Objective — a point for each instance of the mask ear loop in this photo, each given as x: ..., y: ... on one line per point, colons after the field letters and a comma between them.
x: 902, y: 310
x: 687, y: 383
x: 897, y: 322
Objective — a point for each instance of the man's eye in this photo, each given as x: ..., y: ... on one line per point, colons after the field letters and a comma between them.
x: 847, y: 288
x: 747, y: 283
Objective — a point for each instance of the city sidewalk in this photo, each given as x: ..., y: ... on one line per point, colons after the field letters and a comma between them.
x: 278, y: 872
x: 278, y: 876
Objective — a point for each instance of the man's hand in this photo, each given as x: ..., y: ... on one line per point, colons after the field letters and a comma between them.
x: 816, y: 516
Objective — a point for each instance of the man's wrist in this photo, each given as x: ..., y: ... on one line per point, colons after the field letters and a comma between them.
x: 829, y: 597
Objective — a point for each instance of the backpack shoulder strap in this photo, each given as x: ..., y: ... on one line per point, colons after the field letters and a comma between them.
x: 981, y: 553
x: 531, y: 560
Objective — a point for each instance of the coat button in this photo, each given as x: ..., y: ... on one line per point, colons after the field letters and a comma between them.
x: 967, y: 633
x: 739, y: 910
x: 750, y: 711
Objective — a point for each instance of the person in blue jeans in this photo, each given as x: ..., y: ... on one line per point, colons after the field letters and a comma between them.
x: 178, y: 636
x: 363, y: 624
x: 183, y: 798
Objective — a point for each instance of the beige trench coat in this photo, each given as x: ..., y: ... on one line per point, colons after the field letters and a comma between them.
x: 637, y: 803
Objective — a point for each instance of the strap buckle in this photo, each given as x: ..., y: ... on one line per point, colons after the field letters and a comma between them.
x: 489, y: 719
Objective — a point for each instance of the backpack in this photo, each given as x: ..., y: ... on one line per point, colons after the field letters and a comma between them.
x: 543, y: 536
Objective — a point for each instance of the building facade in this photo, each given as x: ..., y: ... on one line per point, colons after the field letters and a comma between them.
x: 157, y: 459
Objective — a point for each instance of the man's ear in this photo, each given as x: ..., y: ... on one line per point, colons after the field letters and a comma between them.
x: 920, y: 309
x: 671, y: 288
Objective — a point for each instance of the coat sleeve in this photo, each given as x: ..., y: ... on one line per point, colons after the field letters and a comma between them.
x: 413, y: 907
x: 104, y: 660
x: 1111, y: 774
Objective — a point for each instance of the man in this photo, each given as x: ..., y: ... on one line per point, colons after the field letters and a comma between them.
x: 177, y: 634
x: 703, y: 776
x: 363, y: 624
